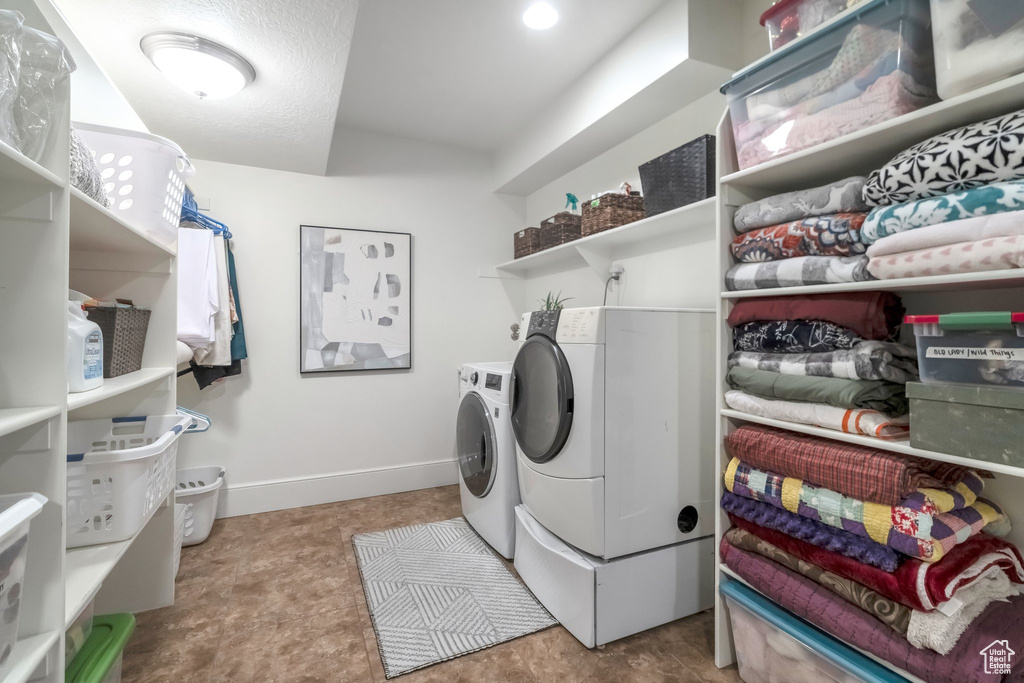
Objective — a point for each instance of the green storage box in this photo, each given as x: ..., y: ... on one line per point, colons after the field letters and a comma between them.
x: 99, y: 660
x: 973, y: 421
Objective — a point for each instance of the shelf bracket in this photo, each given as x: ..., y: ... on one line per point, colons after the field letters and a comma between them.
x: 496, y: 274
x: 598, y: 262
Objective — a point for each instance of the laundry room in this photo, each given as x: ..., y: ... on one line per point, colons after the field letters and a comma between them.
x: 512, y: 341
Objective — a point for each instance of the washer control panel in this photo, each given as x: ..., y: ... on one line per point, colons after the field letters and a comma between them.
x: 543, y: 322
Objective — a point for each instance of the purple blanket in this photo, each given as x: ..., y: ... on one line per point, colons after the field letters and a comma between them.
x: 1001, y: 621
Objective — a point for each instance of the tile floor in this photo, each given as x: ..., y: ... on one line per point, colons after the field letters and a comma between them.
x: 276, y: 598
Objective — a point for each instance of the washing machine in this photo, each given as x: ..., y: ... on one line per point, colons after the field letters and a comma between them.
x: 486, y: 449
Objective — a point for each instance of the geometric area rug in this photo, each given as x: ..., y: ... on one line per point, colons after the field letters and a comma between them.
x: 437, y: 591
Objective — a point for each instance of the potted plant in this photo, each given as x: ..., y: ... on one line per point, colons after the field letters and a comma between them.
x: 553, y: 302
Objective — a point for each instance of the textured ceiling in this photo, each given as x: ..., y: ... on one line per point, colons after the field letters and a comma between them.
x: 468, y: 72
x: 284, y: 120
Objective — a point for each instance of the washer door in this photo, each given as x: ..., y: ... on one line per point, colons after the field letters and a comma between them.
x: 476, y: 445
x: 542, y: 399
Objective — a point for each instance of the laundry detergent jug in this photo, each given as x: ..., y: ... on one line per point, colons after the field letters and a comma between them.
x: 85, y: 351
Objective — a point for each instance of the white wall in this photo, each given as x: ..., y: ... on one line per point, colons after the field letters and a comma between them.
x: 289, y: 440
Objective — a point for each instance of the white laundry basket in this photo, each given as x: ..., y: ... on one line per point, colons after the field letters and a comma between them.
x: 119, y: 470
x: 179, y: 532
x: 16, y: 511
x: 145, y: 176
x: 199, y: 488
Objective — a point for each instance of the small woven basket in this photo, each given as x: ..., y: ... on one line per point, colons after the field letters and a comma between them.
x: 527, y: 242
x: 610, y: 211
x: 124, y: 337
x: 680, y: 177
x: 561, y: 228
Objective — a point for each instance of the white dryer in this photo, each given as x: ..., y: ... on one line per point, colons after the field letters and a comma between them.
x: 487, y: 454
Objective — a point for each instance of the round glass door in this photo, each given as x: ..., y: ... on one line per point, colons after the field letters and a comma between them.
x: 542, y: 399
x: 475, y: 443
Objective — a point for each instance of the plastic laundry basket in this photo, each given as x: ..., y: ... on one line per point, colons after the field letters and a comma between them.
x: 144, y: 174
x: 199, y: 488
x: 16, y: 511
x: 119, y: 470
x: 179, y: 533
x: 99, y: 661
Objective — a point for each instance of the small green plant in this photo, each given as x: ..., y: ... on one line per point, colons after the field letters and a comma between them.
x: 553, y: 302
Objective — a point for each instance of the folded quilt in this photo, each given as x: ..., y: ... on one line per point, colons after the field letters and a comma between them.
x: 851, y: 421
x: 1002, y: 621
x: 865, y: 394
x: 996, y: 253
x: 921, y: 586
x: 964, y: 230
x: 887, y: 361
x: 835, y: 235
x: 843, y: 196
x: 792, y: 336
x: 925, y: 525
x: 872, y: 315
x: 857, y: 549
x: 798, y: 272
x: 867, y: 474
x: 987, y: 200
x: 889, y: 612
x: 978, y: 154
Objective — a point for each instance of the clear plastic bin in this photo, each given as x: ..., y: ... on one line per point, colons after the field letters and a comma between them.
x: 79, y: 631
x: 970, y: 348
x: 788, y: 20
x: 872, y: 65
x: 100, y: 660
x: 976, y: 43
x: 16, y: 512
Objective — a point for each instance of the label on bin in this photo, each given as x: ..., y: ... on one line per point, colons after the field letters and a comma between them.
x: 974, y: 353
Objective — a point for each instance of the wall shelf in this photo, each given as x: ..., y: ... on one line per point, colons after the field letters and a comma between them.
x: 28, y: 654
x: 117, y: 386
x: 15, y: 167
x: 14, y: 419
x: 97, y: 228
x: 991, y: 279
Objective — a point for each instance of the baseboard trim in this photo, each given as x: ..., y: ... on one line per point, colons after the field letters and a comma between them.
x: 281, y: 494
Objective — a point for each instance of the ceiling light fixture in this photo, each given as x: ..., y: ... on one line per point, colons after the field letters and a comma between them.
x: 198, y: 66
x: 540, y: 16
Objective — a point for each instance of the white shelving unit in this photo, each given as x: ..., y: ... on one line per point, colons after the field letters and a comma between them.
x: 859, y: 154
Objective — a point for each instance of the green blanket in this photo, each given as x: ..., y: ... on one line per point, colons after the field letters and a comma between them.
x: 884, y: 397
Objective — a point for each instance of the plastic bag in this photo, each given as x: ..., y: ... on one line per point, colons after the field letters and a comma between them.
x: 45, y: 62
x: 11, y: 23
x: 85, y: 173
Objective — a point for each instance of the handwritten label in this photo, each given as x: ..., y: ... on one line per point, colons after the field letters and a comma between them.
x: 974, y: 353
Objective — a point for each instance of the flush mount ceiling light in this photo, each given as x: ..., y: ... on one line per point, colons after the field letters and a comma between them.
x: 198, y: 66
x: 540, y: 16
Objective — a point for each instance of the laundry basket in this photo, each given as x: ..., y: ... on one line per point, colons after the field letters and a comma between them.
x: 199, y: 488
x: 16, y: 511
x: 179, y: 533
x: 119, y: 470
x: 144, y: 174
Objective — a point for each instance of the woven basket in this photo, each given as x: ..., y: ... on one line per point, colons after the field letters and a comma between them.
x: 610, y: 211
x: 683, y: 176
x: 124, y: 337
x: 527, y: 242
x: 561, y: 228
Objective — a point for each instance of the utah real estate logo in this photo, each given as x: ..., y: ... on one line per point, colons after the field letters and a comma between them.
x: 997, y: 658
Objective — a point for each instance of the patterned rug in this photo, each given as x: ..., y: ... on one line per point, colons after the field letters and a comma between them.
x: 436, y: 591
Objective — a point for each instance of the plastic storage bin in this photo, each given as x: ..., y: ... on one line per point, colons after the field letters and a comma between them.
x: 788, y: 20
x: 199, y: 489
x: 79, y: 631
x: 16, y: 512
x: 179, y: 533
x: 970, y: 348
x: 869, y: 66
x: 144, y: 174
x: 100, y: 660
x: 119, y: 470
x: 976, y: 43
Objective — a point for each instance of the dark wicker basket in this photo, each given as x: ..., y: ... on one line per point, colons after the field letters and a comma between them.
x: 561, y: 228
x: 124, y: 337
x: 527, y: 242
x: 610, y: 211
x: 683, y: 176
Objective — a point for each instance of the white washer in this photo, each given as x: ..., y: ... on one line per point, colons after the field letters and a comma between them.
x: 487, y: 454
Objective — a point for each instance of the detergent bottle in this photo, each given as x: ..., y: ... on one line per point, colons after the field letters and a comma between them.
x: 85, y: 351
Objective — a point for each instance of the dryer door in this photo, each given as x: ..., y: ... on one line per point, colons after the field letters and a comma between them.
x: 542, y: 399
x: 476, y: 444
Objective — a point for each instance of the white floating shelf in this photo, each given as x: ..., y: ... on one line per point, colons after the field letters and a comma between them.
x: 117, y: 386
x: 15, y: 167
x: 97, y: 228
x: 28, y: 654
x: 13, y: 419
x: 654, y: 233
x: 992, y: 279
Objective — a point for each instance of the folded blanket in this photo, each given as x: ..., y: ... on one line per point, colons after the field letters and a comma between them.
x: 964, y: 230
x: 851, y: 421
x: 872, y: 315
x: 886, y: 397
x: 926, y: 525
x: 1002, y: 622
x: 982, y: 153
x: 858, y: 549
x: 835, y: 235
x: 921, y: 586
x: 866, y: 360
x: 981, y: 201
x: 996, y: 253
x: 792, y: 336
x: 867, y: 474
x: 798, y: 272
x: 889, y: 612
x: 842, y: 196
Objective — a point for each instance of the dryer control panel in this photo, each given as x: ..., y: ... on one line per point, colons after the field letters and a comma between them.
x: 580, y: 326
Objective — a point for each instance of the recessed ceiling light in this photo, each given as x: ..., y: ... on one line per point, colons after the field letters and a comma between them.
x: 540, y: 16
x: 198, y: 66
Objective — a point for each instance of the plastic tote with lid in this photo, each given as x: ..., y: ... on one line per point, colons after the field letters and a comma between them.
x: 85, y: 351
x: 977, y: 42
x: 99, y: 661
x: 970, y: 348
